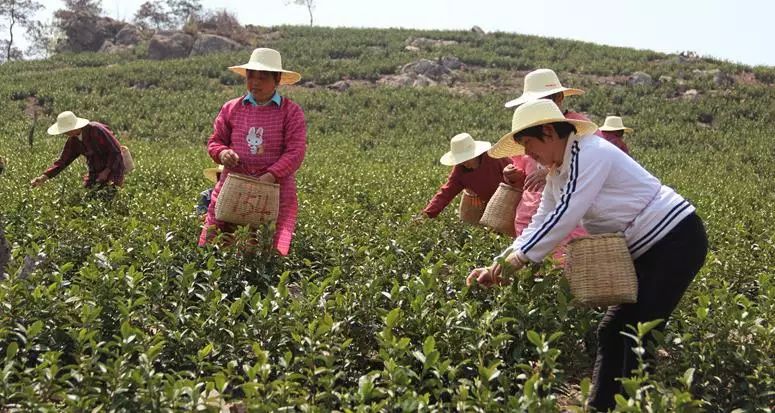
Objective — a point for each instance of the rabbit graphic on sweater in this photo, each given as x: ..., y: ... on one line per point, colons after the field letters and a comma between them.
x: 255, y: 138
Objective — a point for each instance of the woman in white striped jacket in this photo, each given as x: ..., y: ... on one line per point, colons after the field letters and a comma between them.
x: 594, y: 183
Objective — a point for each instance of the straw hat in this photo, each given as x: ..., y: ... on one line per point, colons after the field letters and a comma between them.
x: 67, y: 121
x: 614, y: 123
x: 540, y: 84
x: 212, y: 173
x: 267, y: 60
x: 462, y: 147
x: 537, y: 112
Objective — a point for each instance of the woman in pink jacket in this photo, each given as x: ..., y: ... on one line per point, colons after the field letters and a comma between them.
x: 524, y: 171
x: 613, y: 131
x: 263, y: 135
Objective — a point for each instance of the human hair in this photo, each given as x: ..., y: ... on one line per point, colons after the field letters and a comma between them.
x: 553, y: 96
x: 563, y: 130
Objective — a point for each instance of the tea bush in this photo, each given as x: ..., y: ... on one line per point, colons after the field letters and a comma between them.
x: 369, y: 312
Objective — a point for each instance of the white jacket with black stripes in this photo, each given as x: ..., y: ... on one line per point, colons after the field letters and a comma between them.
x: 605, y: 190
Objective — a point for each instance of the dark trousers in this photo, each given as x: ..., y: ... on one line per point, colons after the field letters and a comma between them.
x: 664, y: 272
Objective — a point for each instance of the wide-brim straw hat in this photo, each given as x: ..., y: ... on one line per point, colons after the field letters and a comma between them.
x: 211, y: 174
x: 267, y: 60
x: 614, y: 123
x: 67, y: 121
x: 537, y: 112
x: 540, y: 84
x: 462, y: 147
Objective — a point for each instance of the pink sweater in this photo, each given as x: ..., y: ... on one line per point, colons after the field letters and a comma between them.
x: 617, y: 141
x: 528, y: 204
x: 269, y: 139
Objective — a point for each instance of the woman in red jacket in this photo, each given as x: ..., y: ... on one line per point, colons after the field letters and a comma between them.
x: 94, y: 141
x: 472, y: 170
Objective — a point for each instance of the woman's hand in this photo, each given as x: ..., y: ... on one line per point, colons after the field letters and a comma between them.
x: 419, y: 217
x: 514, y: 176
x: 514, y: 263
x: 38, y: 181
x: 268, y: 178
x: 103, y: 176
x: 229, y: 158
x: 489, y: 276
x: 486, y: 277
x: 536, y: 180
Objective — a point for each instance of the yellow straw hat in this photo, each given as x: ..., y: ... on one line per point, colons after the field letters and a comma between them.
x: 614, y: 123
x: 540, y: 84
x: 462, y: 147
x: 534, y: 113
x: 67, y: 121
x: 212, y: 173
x: 267, y: 60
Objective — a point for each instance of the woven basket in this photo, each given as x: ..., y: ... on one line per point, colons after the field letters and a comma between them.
x: 501, y: 209
x: 600, y: 271
x: 247, y: 201
x: 471, y: 208
x: 129, y: 162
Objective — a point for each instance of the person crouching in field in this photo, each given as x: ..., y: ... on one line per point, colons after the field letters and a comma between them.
x: 472, y: 170
x: 263, y: 135
x: 203, y: 204
x: 595, y: 183
x: 524, y: 172
x: 613, y: 131
x: 93, y: 140
x: 540, y: 84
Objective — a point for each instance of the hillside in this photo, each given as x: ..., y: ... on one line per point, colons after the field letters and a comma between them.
x: 121, y: 311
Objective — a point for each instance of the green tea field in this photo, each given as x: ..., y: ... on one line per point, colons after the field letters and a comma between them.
x: 109, y: 306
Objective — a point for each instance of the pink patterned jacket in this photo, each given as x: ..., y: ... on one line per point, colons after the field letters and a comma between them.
x: 269, y: 139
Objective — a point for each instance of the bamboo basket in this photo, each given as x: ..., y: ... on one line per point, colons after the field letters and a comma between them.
x: 244, y: 200
x: 600, y: 270
x: 501, y: 210
x: 471, y: 208
x: 129, y: 162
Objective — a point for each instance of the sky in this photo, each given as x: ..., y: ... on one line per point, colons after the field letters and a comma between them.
x: 735, y: 30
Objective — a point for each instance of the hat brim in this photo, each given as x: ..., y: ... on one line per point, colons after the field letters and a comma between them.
x: 611, y: 129
x: 288, y: 77
x: 452, y: 159
x: 211, y: 174
x: 530, y: 96
x: 507, y: 146
x: 56, y: 130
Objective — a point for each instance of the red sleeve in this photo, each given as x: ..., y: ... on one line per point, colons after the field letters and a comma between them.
x: 295, y: 131
x: 444, y: 196
x: 68, y: 155
x: 221, y: 137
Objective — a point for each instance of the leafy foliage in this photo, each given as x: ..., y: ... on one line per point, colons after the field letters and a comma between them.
x: 369, y: 313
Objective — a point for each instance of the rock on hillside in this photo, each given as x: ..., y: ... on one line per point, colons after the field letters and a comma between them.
x: 212, y: 43
x: 170, y: 45
x: 87, y: 33
x: 426, y: 43
x: 129, y: 35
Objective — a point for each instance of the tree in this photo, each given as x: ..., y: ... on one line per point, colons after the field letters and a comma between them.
x: 43, y: 39
x: 90, y: 7
x: 169, y: 15
x: 16, y: 12
x: 184, y: 10
x: 309, y: 4
x: 152, y: 14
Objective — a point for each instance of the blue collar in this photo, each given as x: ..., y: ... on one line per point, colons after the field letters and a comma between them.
x: 276, y: 99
